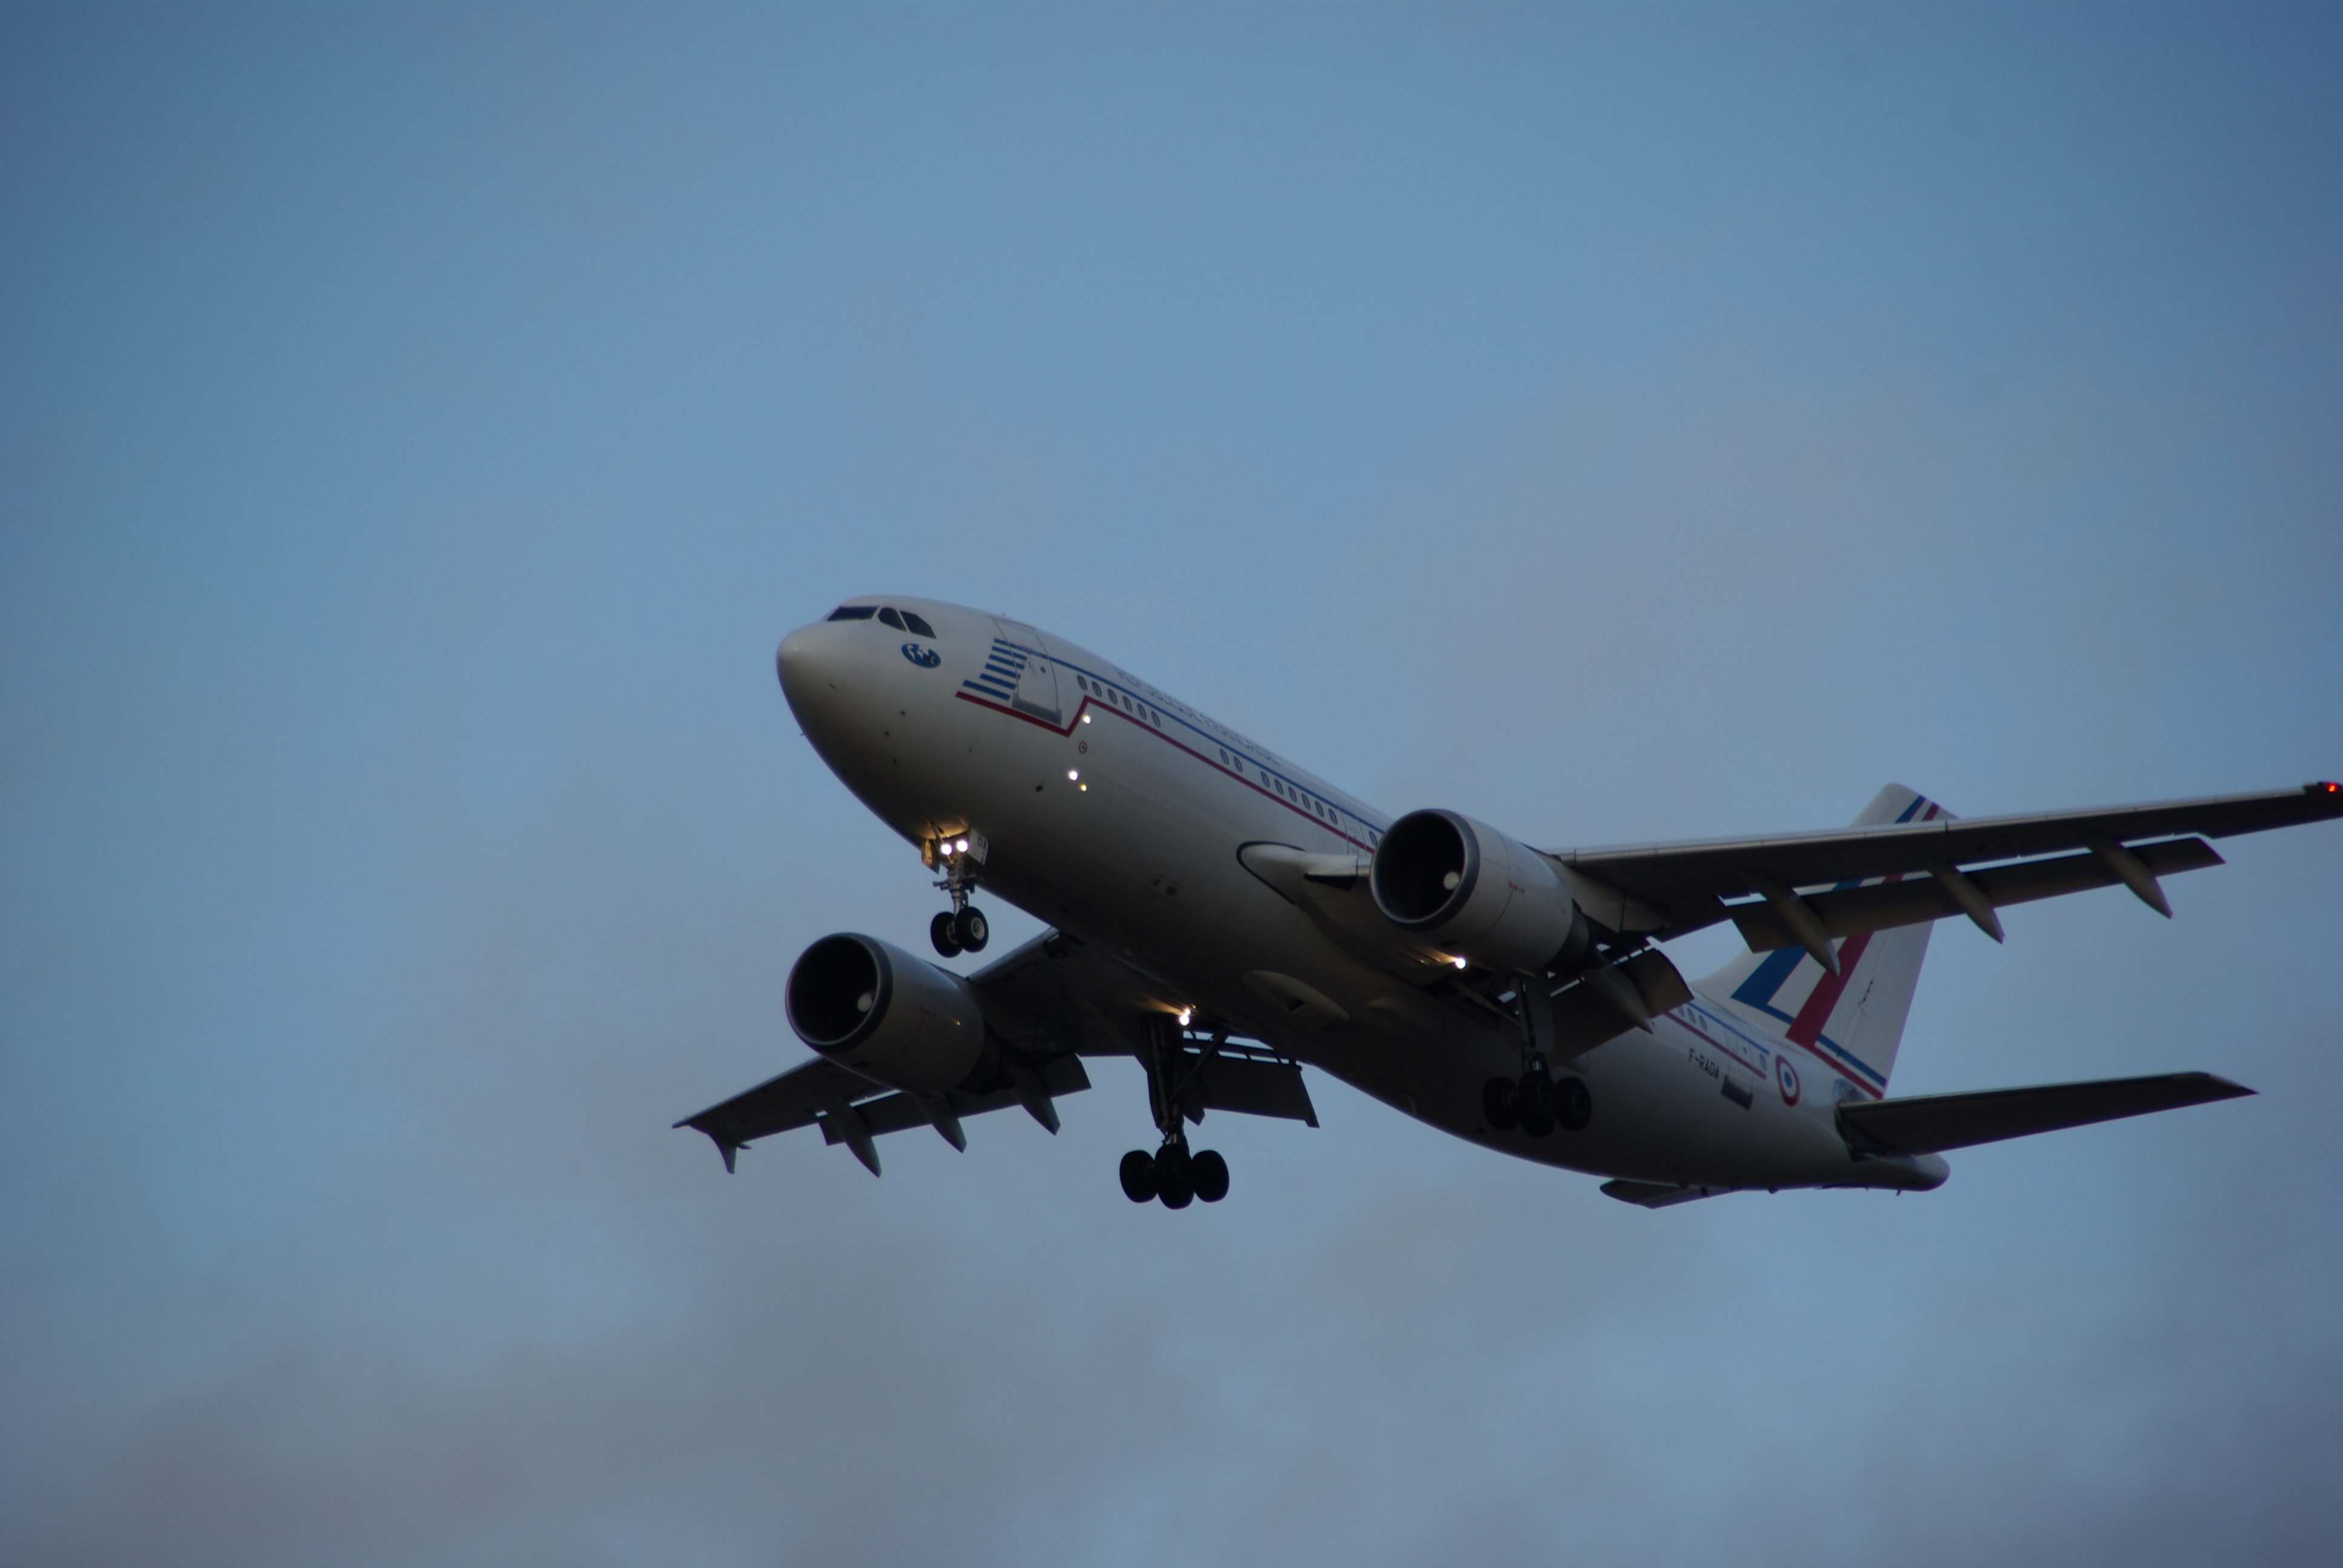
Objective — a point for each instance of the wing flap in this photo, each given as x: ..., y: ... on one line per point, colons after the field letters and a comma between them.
x: 895, y: 1111
x: 1931, y: 1124
x: 1245, y: 1084
x: 789, y: 1100
x: 1850, y: 911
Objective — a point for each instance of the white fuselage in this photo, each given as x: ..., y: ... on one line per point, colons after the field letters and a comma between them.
x: 1116, y: 813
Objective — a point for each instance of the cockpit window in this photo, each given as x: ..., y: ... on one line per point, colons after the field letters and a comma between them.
x: 854, y: 612
x: 917, y: 624
x: 888, y: 618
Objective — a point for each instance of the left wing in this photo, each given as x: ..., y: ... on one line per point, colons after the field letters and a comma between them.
x: 1047, y: 1004
x: 852, y: 1110
x: 1664, y: 891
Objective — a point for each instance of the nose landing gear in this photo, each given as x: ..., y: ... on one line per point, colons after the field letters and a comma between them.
x: 963, y: 931
x: 962, y: 927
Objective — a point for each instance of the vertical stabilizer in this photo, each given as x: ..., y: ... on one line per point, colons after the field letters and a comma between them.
x: 1855, y: 1019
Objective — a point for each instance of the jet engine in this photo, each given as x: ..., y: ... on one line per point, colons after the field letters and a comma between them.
x: 896, y: 1019
x: 1470, y: 891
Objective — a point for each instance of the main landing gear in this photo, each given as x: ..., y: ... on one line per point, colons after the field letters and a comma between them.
x: 1172, y: 1173
x: 1535, y: 1102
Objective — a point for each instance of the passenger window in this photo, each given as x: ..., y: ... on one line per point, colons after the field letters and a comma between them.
x: 888, y: 618
x: 918, y: 623
x: 853, y: 612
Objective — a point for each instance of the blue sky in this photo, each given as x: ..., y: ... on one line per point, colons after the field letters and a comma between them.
x: 1619, y: 423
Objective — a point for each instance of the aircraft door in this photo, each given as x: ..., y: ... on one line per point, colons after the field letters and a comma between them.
x: 1020, y: 648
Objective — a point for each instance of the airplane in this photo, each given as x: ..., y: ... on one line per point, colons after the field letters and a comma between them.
x: 1226, y: 918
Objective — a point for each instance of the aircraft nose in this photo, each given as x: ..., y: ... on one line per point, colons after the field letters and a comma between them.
x: 794, y: 653
x: 810, y: 664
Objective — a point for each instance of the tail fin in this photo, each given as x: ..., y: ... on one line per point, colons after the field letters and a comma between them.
x: 1855, y: 1019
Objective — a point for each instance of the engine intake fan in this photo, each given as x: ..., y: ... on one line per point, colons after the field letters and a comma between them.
x: 899, y: 1020
x: 1468, y: 888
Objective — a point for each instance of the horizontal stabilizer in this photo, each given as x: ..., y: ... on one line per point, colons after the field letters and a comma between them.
x: 1931, y: 1124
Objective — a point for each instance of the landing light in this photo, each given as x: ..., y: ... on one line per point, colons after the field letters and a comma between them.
x: 1086, y: 718
x: 962, y: 846
x: 1460, y: 963
x: 1073, y: 774
x: 1185, y: 1014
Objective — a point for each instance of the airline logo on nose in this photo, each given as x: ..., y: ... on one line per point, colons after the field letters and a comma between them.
x: 925, y: 658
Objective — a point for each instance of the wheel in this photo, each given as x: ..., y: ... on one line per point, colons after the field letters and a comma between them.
x: 1174, y: 1177
x: 940, y: 932
x: 973, y: 928
x: 1537, y: 1105
x: 1209, y: 1173
x: 1501, y: 1102
x: 1139, y: 1176
x: 1573, y: 1106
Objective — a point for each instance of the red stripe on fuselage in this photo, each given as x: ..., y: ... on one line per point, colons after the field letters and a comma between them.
x: 1144, y: 727
x: 1807, y: 1027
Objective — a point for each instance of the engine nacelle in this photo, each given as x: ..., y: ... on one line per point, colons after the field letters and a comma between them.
x: 1469, y: 889
x: 896, y: 1019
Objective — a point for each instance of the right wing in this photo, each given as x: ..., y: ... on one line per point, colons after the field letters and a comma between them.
x: 1664, y: 891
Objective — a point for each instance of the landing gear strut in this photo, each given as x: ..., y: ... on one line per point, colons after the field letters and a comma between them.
x: 1172, y: 1173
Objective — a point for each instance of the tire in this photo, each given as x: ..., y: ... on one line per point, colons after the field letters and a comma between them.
x: 941, y: 932
x: 973, y: 928
x: 1209, y: 1173
x: 1174, y: 1177
x: 1537, y: 1105
x: 1139, y: 1176
x: 1501, y: 1102
x: 1574, y: 1107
